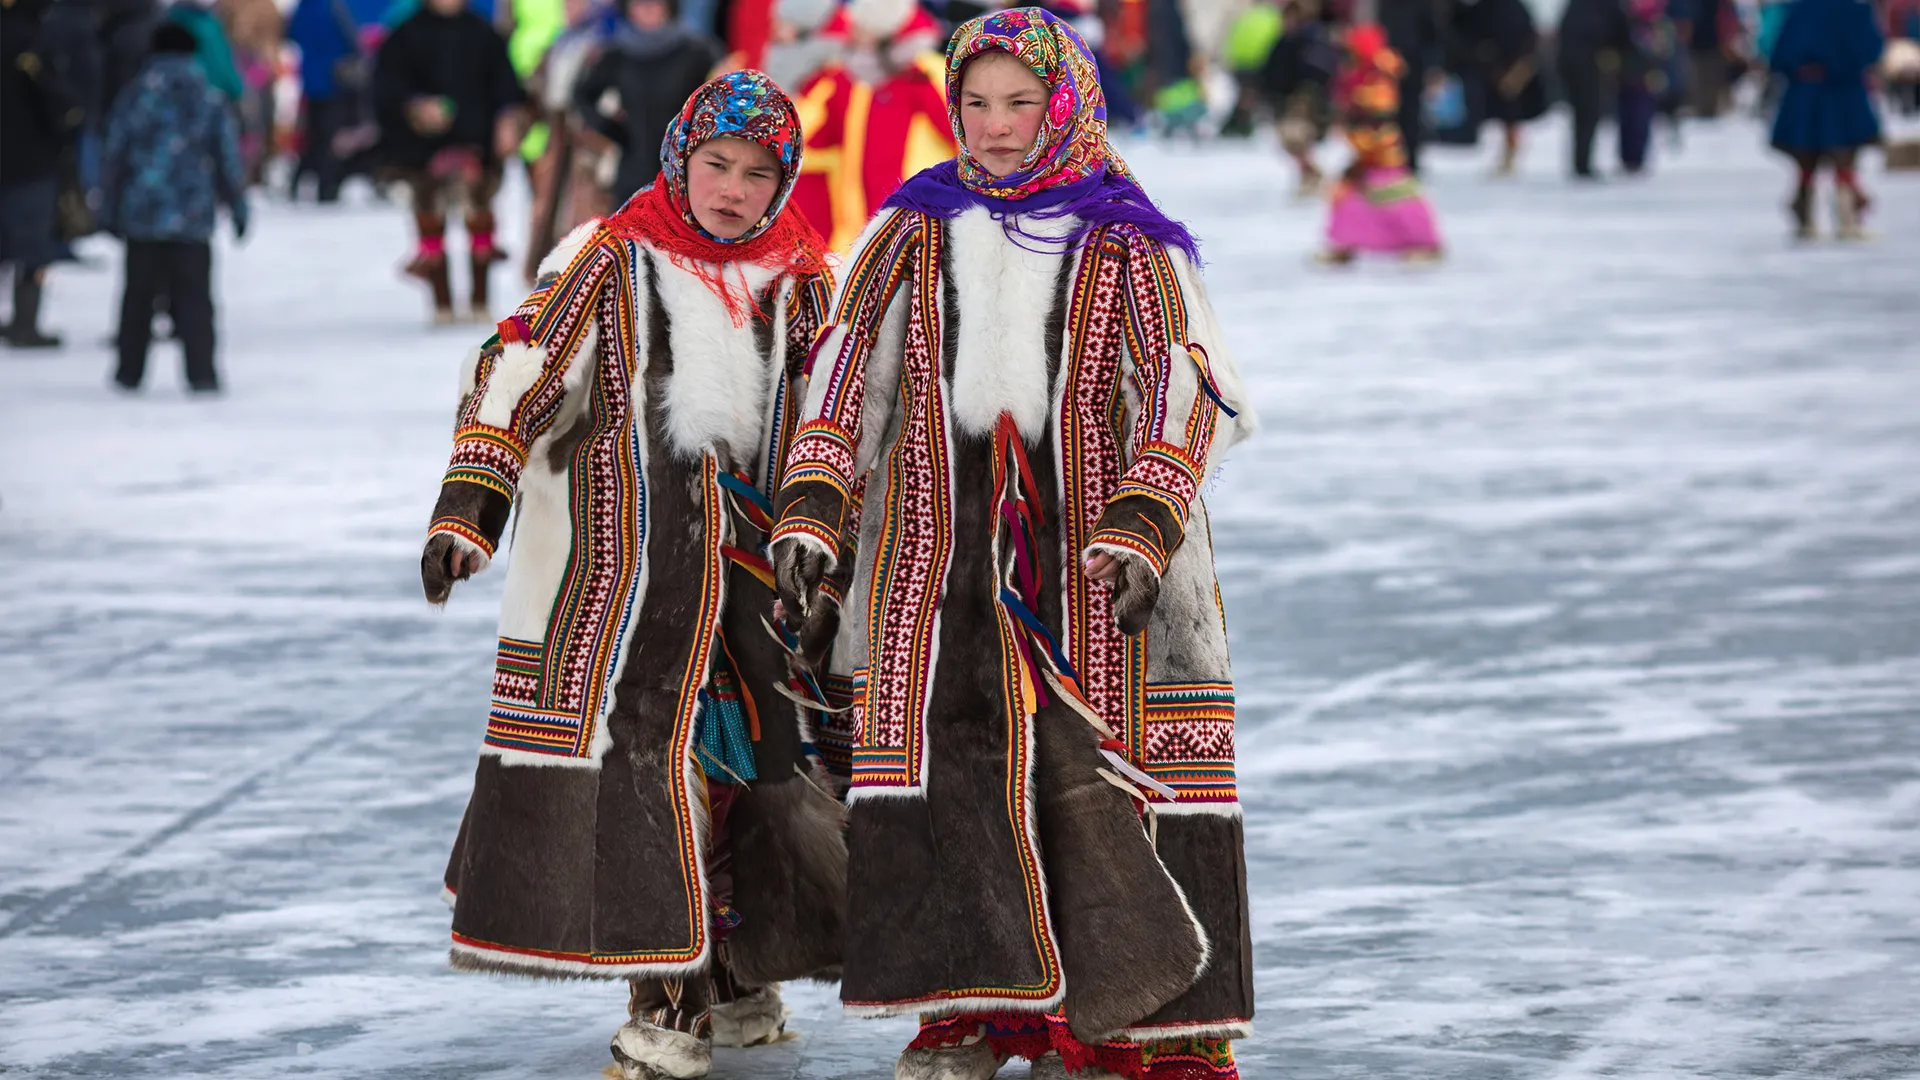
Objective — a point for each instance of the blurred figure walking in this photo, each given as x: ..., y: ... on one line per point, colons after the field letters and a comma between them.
x: 39, y: 115
x: 1377, y: 206
x: 1826, y: 49
x: 443, y: 88
x: 1298, y: 76
x: 1496, y: 41
x: 1593, y: 42
x: 646, y: 72
x: 172, y: 157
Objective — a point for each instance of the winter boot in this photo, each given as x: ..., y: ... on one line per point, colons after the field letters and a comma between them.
x: 24, y: 331
x: 647, y: 1051
x: 1849, y: 207
x: 974, y: 1061
x: 485, y: 254
x: 1802, y: 210
x: 429, y: 264
x: 754, y: 1019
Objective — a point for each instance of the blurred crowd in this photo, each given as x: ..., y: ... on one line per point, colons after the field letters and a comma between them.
x: 433, y: 100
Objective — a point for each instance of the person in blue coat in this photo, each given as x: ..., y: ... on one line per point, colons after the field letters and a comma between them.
x: 1825, y: 50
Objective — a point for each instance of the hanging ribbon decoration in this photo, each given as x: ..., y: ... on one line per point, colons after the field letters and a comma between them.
x: 1021, y: 511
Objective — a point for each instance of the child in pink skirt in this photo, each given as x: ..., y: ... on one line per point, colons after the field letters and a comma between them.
x: 1377, y: 206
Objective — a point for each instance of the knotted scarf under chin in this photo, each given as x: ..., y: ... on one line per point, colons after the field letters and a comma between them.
x: 788, y: 246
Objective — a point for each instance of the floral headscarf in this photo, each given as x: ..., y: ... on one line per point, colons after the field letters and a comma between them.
x: 1071, y: 171
x: 741, y: 105
x: 1072, y: 145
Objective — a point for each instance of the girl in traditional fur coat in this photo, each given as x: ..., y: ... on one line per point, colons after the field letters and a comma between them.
x: 1019, y: 397
x: 645, y: 807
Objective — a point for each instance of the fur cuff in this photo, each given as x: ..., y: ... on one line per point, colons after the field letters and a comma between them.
x: 754, y: 1020
x: 647, y: 1051
x: 465, y: 539
x: 1139, y: 525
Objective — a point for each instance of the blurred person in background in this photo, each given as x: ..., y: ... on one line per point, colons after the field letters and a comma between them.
x: 800, y: 49
x: 69, y: 41
x: 1495, y: 41
x: 563, y: 171
x: 1713, y: 37
x: 900, y: 92
x: 336, y: 76
x: 446, y: 97
x: 1251, y: 39
x: 256, y: 30
x: 806, y: 60
x: 636, y: 86
x: 39, y: 116
x: 1298, y: 77
x: 125, y: 34
x: 172, y: 157
x: 1416, y: 32
x: 1902, y: 61
x: 1643, y: 80
x: 1377, y: 206
x: 211, y: 49
x: 1827, y: 50
x: 1592, y: 44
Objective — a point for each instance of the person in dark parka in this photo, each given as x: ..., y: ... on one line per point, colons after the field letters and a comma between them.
x: 1415, y: 31
x: 1825, y: 50
x: 172, y: 158
x: 1496, y: 41
x: 443, y: 87
x: 650, y: 67
x: 39, y: 116
x: 1593, y: 39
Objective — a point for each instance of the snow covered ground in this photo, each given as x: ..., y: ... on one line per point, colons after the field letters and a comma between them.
x: 1575, y: 591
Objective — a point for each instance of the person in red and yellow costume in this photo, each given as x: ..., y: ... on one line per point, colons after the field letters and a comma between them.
x: 875, y: 119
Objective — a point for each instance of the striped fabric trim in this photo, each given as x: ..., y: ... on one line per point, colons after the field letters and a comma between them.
x: 488, y: 456
x: 463, y: 529
x: 1189, y: 740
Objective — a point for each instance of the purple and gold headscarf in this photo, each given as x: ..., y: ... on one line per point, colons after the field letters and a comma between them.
x: 1071, y: 171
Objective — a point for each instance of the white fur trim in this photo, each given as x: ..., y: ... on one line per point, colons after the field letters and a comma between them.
x: 567, y: 249
x: 534, y: 759
x: 1124, y: 554
x: 754, y: 1020
x: 717, y: 398
x: 513, y: 963
x: 1199, y: 809
x: 675, y: 1053
x: 469, y: 371
x: 858, y: 793
x: 1006, y: 295
x: 448, y: 898
x: 1240, y: 1030
x: 950, y: 1006
x: 472, y: 549
x: 1205, y: 328
x: 810, y: 542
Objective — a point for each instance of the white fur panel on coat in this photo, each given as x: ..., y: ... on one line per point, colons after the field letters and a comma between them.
x: 721, y: 387
x: 1005, y: 294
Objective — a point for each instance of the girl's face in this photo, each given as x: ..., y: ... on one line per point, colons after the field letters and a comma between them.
x: 731, y: 183
x: 1002, y: 105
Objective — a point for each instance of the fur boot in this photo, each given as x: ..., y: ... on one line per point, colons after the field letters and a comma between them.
x: 975, y: 1061
x: 429, y: 263
x: 1849, y: 205
x: 485, y: 253
x: 754, y: 1019
x: 647, y: 1051
x: 1802, y: 210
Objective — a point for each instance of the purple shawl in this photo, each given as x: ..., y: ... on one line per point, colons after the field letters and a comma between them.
x: 1100, y: 200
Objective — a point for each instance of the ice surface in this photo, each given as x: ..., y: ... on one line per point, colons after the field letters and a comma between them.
x: 1575, y: 595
